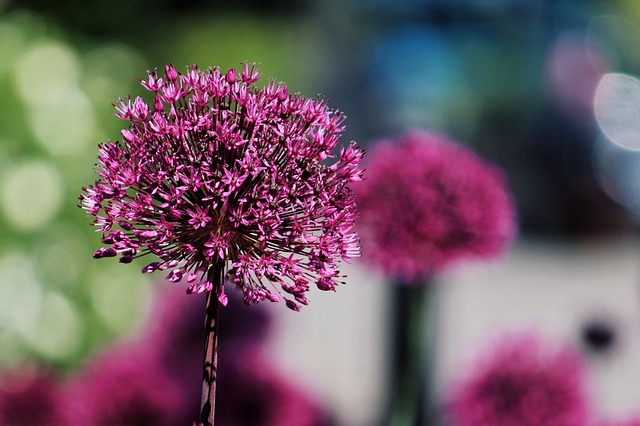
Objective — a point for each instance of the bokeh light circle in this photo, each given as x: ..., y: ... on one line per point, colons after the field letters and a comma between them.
x: 47, y: 72
x: 31, y: 194
x: 617, y: 108
x: 118, y: 295
x: 107, y: 69
x: 61, y: 255
x: 11, y: 45
x: 21, y: 293
x: 58, y: 332
x: 58, y: 112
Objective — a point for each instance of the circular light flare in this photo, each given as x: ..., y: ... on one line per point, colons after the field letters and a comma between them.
x: 47, y: 72
x: 618, y: 172
x: 119, y: 297
x: 58, y: 111
x: 58, y: 332
x: 31, y: 194
x: 64, y: 130
x: 106, y: 68
x: 617, y: 109
x: 21, y: 294
x: 60, y: 254
x: 12, y: 42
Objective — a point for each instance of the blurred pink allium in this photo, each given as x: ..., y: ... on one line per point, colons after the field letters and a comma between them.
x: 124, y: 386
x: 174, y: 332
x: 253, y: 393
x: 154, y: 380
x: 30, y: 396
x: 427, y: 202
x: 174, y: 325
x: 223, y: 180
x: 522, y: 383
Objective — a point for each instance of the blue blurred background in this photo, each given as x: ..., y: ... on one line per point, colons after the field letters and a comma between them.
x: 547, y: 89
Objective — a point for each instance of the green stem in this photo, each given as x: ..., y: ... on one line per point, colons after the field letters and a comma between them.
x: 409, y: 325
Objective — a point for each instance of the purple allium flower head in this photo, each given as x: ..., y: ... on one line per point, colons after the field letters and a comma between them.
x: 428, y: 202
x: 124, y: 385
x: 522, y: 383
x: 30, y: 396
x: 221, y: 179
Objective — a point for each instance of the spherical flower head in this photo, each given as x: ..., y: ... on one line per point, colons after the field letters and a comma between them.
x: 220, y: 179
x: 522, y: 383
x: 427, y: 202
x: 30, y: 396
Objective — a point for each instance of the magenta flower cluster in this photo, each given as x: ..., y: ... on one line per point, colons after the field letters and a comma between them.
x: 521, y: 382
x: 151, y: 379
x: 428, y: 202
x: 222, y: 180
x: 29, y: 395
x: 124, y: 385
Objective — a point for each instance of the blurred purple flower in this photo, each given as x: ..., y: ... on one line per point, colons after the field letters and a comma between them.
x: 573, y: 69
x: 428, y: 202
x: 174, y: 333
x: 124, y: 386
x: 522, y: 383
x: 174, y: 325
x: 155, y: 379
x: 252, y: 393
x: 222, y: 180
x: 30, y: 396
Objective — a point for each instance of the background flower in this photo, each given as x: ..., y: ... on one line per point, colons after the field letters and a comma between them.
x: 174, y: 335
x: 252, y: 392
x: 125, y: 385
x: 31, y: 396
x: 521, y: 382
x: 154, y: 378
x: 222, y: 180
x: 428, y: 202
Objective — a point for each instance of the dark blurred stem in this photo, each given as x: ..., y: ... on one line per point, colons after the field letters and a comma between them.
x: 209, y: 373
x: 409, y: 354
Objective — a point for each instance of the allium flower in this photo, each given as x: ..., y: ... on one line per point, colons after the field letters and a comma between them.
x: 221, y: 179
x: 522, y: 383
x: 427, y: 202
x: 124, y: 386
x: 29, y: 396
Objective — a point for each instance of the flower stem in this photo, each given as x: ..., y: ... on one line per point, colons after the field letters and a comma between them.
x: 409, y: 363
x: 209, y: 373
